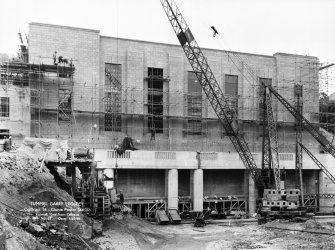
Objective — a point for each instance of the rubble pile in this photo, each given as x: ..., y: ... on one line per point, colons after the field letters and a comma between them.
x: 54, y: 150
x: 18, y: 161
x: 24, y: 180
x: 12, y: 237
x: 52, y: 233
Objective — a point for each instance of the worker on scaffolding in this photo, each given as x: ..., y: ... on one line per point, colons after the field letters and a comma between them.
x: 55, y: 58
x: 121, y: 198
x: 71, y: 63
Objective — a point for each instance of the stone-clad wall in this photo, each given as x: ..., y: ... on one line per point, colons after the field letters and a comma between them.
x: 91, y: 51
x: 82, y: 45
x: 18, y: 122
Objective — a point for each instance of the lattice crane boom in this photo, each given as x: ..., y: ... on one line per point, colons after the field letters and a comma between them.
x: 273, y: 138
x: 210, y: 86
x: 305, y: 123
x: 317, y: 162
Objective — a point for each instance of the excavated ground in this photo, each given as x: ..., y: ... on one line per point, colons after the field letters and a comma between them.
x: 127, y: 232
x: 21, y: 182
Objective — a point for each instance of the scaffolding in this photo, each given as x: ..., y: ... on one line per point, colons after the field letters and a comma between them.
x: 128, y: 109
x: 50, y: 90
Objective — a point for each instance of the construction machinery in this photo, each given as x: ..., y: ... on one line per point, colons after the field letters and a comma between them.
x: 276, y: 199
x: 92, y: 195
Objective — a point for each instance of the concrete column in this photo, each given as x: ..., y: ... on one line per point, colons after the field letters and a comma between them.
x: 198, y: 190
x: 173, y: 188
x: 322, y: 202
x: 252, y: 196
x: 246, y: 188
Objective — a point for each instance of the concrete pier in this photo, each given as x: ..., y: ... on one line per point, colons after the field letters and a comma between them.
x: 252, y: 196
x: 173, y: 188
x: 198, y: 193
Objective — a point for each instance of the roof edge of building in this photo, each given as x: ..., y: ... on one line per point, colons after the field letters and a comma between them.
x: 160, y: 43
x: 63, y: 26
x: 177, y: 45
x: 296, y: 55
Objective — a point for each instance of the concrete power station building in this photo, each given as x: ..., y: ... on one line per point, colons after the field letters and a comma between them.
x: 149, y: 92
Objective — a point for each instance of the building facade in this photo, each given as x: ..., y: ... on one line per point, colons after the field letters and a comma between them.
x: 149, y: 92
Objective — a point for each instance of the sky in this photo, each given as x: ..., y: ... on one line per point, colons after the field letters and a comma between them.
x: 305, y: 27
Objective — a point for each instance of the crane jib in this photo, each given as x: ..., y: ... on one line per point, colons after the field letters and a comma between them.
x: 210, y: 86
x: 185, y: 37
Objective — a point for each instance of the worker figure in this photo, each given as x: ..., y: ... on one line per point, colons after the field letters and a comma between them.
x: 10, y: 142
x: 153, y: 133
x: 55, y: 58
x: 60, y: 59
x: 121, y: 198
x: 71, y: 63
x: 215, y: 31
x: 5, y: 143
x: 69, y: 101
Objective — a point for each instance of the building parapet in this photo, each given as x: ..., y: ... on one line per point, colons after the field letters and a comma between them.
x: 142, y: 159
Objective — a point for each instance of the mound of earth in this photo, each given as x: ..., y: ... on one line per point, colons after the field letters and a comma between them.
x: 23, y: 183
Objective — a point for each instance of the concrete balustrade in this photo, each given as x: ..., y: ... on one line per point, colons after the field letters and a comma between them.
x: 187, y: 160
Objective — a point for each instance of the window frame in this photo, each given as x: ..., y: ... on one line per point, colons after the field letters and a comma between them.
x: 4, y: 106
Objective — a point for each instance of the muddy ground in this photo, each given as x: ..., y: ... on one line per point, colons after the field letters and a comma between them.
x: 133, y: 233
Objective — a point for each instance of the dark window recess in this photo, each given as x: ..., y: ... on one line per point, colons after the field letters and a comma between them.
x: 194, y: 127
x: 231, y: 85
x: 113, y: 97
x: 262, y: 83
x: 194, y: 104
x: 4, y: 133
x: 193, y: 83
x: 112, y: 122
x: 21, y: 95
x: 265, y: 81
x: 155, y: 99
x: 231, y: 93
x: 4, y: 106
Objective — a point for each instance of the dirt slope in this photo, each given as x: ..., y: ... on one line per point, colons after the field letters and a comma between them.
x: 21, y: 183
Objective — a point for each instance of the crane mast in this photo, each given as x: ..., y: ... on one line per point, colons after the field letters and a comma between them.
x: 210, y: 87
x: 273, y: 138
x: 298, y: 138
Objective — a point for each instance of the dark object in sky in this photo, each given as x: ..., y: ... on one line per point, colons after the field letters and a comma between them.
x: 215, y: 31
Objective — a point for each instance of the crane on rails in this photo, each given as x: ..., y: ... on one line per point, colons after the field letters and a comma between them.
x: 276, y: 197
x: 211, y: 87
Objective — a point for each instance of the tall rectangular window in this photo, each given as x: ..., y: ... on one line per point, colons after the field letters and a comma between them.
x: 4, y: 106
x: 231, y: 92
x: 262, y: 82
x: 155, y: 99
x: 113, y: 97
x: 231, y: 85
x: 194, y: 105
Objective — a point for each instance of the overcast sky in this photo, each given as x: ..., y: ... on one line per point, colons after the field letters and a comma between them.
x: 304, y: 27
